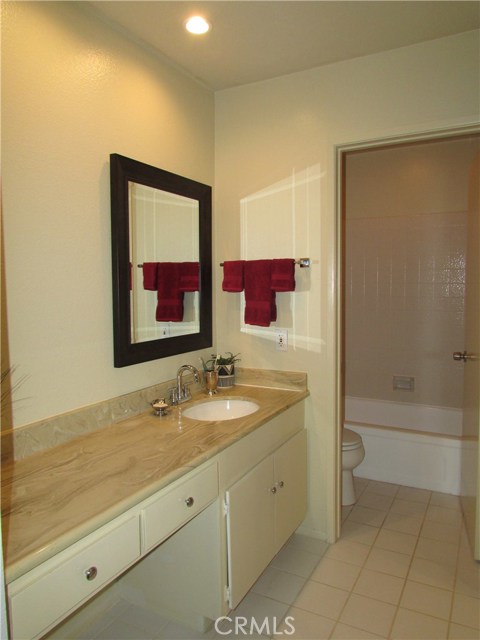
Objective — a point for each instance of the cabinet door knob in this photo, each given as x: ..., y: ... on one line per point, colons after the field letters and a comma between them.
x: 91, y: 573
x: 273, y: 489
x: 281, y: 484
x: 189, y: 501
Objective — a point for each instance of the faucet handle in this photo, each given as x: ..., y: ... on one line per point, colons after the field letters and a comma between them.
x: 186, y: 393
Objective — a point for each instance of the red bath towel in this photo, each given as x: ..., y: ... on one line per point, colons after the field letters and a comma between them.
x: 169, y: 296
x: 150, y: 275
x: 259, y: 297
x: 233, y: 276
x: 273, y: 307
x: 283, y: 274
x: 189, y: 276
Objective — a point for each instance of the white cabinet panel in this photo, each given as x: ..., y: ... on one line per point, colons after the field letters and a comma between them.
x: 249, y: 451
x: 291, y: 484
x: 45, y: 595
x: 264, y: 508
x: 172, y: 509
x: 249, y: 528
x: 183, y: 575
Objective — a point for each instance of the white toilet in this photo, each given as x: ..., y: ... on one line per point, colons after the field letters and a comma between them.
x: 352, y: 455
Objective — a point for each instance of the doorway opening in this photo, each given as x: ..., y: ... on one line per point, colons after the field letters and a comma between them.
x: 402, y: 224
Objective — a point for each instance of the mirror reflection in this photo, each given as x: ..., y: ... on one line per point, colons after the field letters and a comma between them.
x: 161, y: 262
x: 162, y: 268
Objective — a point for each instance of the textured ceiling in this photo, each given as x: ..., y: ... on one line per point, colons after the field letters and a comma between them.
x: 256, y: 40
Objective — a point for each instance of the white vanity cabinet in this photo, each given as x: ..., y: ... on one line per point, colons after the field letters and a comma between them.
x: 207, y: 567
x: 44, y: 596
x: 193, y: 549
x: 263, y: 509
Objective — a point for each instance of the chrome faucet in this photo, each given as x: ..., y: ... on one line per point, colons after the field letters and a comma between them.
x: 181, y: 392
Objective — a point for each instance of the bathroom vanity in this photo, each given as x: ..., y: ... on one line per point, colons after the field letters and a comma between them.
x: 182, y: 515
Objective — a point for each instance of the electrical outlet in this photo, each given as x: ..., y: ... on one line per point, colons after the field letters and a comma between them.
x: 281, y: 340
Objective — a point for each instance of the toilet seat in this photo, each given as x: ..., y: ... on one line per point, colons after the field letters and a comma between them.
x: 350, y: 440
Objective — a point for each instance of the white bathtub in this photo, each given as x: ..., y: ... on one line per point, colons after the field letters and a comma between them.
x: 423, y: 449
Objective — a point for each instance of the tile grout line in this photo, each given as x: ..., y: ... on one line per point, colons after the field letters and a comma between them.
x: 417, y: 540
x: 338, y: 621
x: 408, y: 570
x: 397, y: 606
x: 448, y: 621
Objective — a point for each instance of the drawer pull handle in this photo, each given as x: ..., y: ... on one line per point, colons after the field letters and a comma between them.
x: 189, y: 501
x: 91, y: 573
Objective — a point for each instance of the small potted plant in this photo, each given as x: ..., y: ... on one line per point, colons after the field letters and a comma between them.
x: 225, y: 365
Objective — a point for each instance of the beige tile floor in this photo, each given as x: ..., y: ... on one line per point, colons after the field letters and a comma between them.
x: 402, y: 570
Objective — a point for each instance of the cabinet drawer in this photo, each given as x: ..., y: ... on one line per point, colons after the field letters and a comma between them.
x: 45, y: 595
x: 176, y: 507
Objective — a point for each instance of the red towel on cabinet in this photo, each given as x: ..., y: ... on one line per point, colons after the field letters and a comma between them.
x: 189, y: 276
x: 169, y: 296
x: 150, y: 276
x: 259, y: 297
x: 283, y: 274
x: 233, y: 275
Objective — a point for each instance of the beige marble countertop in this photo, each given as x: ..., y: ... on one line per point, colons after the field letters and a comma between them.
x: 53, y: 498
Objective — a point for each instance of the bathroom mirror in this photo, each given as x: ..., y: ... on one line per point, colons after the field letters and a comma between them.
x: 164, y: 220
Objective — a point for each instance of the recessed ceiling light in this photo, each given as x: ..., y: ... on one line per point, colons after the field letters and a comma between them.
x: 197, y: 25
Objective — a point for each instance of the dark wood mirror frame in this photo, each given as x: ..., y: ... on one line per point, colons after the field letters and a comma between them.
x: 122, y: 171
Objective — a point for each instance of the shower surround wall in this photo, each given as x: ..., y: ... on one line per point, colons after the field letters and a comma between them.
x: 405, y: 297
x: 405, y: 236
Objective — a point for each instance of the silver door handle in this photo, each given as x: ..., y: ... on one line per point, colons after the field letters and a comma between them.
x: 463, y: 355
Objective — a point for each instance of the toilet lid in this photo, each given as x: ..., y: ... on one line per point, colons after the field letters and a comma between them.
x: 350, y: 440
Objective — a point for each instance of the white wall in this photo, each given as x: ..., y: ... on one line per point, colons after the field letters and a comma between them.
x: 73, y: 92
x: 270, y: 132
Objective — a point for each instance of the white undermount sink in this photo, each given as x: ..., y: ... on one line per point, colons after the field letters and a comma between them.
x: 224, y: 409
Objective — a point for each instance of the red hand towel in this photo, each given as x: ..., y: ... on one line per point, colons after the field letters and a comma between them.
x: 150, y: 276
x: 233, y: 276
x: 259, y: 302
x: 169, y: 296
x: 283, y: 274
x: 273, y: 307
x: 189, y: 279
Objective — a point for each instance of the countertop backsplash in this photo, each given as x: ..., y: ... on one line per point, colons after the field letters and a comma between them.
x: 24, y: 441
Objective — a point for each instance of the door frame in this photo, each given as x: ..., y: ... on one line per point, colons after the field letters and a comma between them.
x: 340, y: 151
